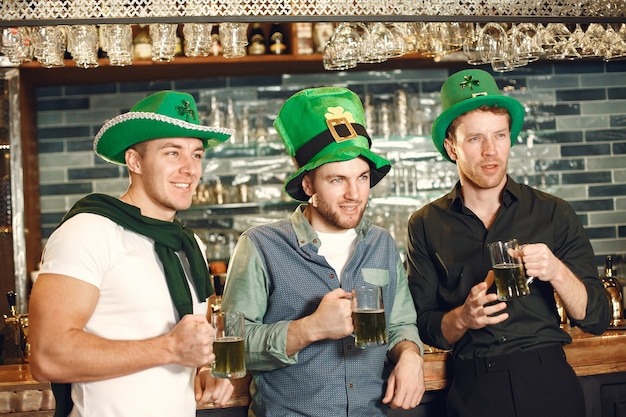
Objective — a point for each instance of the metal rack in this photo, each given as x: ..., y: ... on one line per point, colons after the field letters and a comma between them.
x: 62, y: 12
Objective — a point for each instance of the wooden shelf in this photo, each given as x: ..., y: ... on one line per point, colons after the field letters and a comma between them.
x: 214, y: 66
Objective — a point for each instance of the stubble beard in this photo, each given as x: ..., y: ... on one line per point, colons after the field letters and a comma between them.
x: 335, y: 219
x: 481, y: 181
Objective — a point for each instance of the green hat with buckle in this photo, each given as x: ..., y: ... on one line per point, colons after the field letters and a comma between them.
x: 166, y: 114
x: 465, y: 91
x: 321, y: 125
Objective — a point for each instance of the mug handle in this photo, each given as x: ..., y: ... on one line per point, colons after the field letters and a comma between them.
x: 529, y: 280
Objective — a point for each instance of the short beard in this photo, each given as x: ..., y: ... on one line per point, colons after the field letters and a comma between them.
x: 335, y: 220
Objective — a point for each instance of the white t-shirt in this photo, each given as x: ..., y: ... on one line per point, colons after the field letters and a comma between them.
x: 134, y: 304
x: 337, y: 248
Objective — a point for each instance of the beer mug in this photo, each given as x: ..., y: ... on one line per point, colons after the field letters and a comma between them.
x: 508, y: 269
x: 228, y: 347
x: 368, y: 315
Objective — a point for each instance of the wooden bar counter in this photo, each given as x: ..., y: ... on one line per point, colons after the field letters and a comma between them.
x: 588, y: 355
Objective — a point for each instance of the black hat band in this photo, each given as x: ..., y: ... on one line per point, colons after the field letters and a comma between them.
x: 335, y: 133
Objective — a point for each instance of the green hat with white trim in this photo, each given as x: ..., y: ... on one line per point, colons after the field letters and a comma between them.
x: 321, y: 125
x: 165, y: 114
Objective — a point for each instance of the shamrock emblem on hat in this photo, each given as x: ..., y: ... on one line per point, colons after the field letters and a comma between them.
x: 339, y: 122
x: 469, y: 81
x: 186, y: 109
x: 338, y: 112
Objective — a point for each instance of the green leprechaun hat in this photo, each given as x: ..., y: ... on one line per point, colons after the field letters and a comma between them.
x: 166, y: 114
x: 321, y: 125
x: 465, y: 91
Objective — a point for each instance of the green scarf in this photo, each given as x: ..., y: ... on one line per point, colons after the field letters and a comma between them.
x: 169, y: 238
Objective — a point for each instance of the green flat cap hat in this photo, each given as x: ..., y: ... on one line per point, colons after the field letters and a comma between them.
x: 166, y: 114
x: 321, y: 125
x: 465, y: 91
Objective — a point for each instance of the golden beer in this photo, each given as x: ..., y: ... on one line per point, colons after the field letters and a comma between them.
x: 229, y: 357
x: 510, y: 281
x: 369, y: 327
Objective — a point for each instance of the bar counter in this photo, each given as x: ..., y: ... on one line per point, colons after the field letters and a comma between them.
x: 22, y: 396
x: 588, y: 355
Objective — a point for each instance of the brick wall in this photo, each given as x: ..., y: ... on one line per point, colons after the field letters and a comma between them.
x: 573, y: 142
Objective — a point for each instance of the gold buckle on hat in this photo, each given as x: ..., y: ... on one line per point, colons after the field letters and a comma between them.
x: 331, y: 123
x: 484, y: 93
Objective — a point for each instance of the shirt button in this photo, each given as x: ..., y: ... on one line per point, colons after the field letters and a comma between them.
x: 503, y: 339
x: 349, y: 347
x: 314, y: 240
x: 332, y: 276
x: 491, y: 364
x: 350, y: 385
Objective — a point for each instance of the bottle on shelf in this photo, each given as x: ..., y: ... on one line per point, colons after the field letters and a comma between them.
x: 216, y: 45
x: 245, y: 125
x: 256, y: 40
x: 230, y: 119
x: 219, y: 191
x: 216, y: 114
x: 142, y: 47
x: 619, y: 270
x: 304, y: 38
x: 180, y: 36
x: 218, y: 278
x: 277, y: 44
x: 322, y: 32
x: 101, y: 42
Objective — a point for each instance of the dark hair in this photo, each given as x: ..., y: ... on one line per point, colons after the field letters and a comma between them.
x: 494, y: 108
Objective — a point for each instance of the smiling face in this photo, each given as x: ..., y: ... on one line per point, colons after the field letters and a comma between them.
x: 164, y: 175
x: 339, y: 191
x: 480, y: 146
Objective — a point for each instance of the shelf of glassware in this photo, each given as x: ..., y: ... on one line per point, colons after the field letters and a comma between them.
x: 242, y: 187
x: 219, y: 225
x: 242, y: 178
x: 191, y: 68
x: 247, y: 178
x: 226, y: 216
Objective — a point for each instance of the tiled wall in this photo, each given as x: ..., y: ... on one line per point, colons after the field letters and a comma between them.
x: 574, y: 140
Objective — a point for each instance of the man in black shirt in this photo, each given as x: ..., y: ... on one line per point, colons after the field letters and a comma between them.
x: 507, y: 356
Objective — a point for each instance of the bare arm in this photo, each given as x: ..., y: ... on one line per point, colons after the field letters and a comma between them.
x: 62, y: 351
x: 405, y: 386
x: 473, y: 314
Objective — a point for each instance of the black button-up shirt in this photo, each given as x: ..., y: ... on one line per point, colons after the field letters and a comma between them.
x: 447, y: 256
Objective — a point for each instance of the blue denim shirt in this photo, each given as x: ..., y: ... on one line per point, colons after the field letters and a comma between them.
x: 276, y: 276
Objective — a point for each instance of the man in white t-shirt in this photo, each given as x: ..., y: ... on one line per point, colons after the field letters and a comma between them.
x: 118, y: 313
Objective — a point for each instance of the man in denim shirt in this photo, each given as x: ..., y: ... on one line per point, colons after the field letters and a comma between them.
x: 293, y: 278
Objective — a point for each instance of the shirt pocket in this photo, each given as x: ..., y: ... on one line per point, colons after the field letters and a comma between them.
x: 449, y: 273
x: 375, y: 276
x: 453, y: 289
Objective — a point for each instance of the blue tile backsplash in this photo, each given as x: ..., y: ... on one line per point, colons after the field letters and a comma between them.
x: 573, y: 142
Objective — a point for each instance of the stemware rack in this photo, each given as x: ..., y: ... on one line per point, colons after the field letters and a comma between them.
x: 59, y: 12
